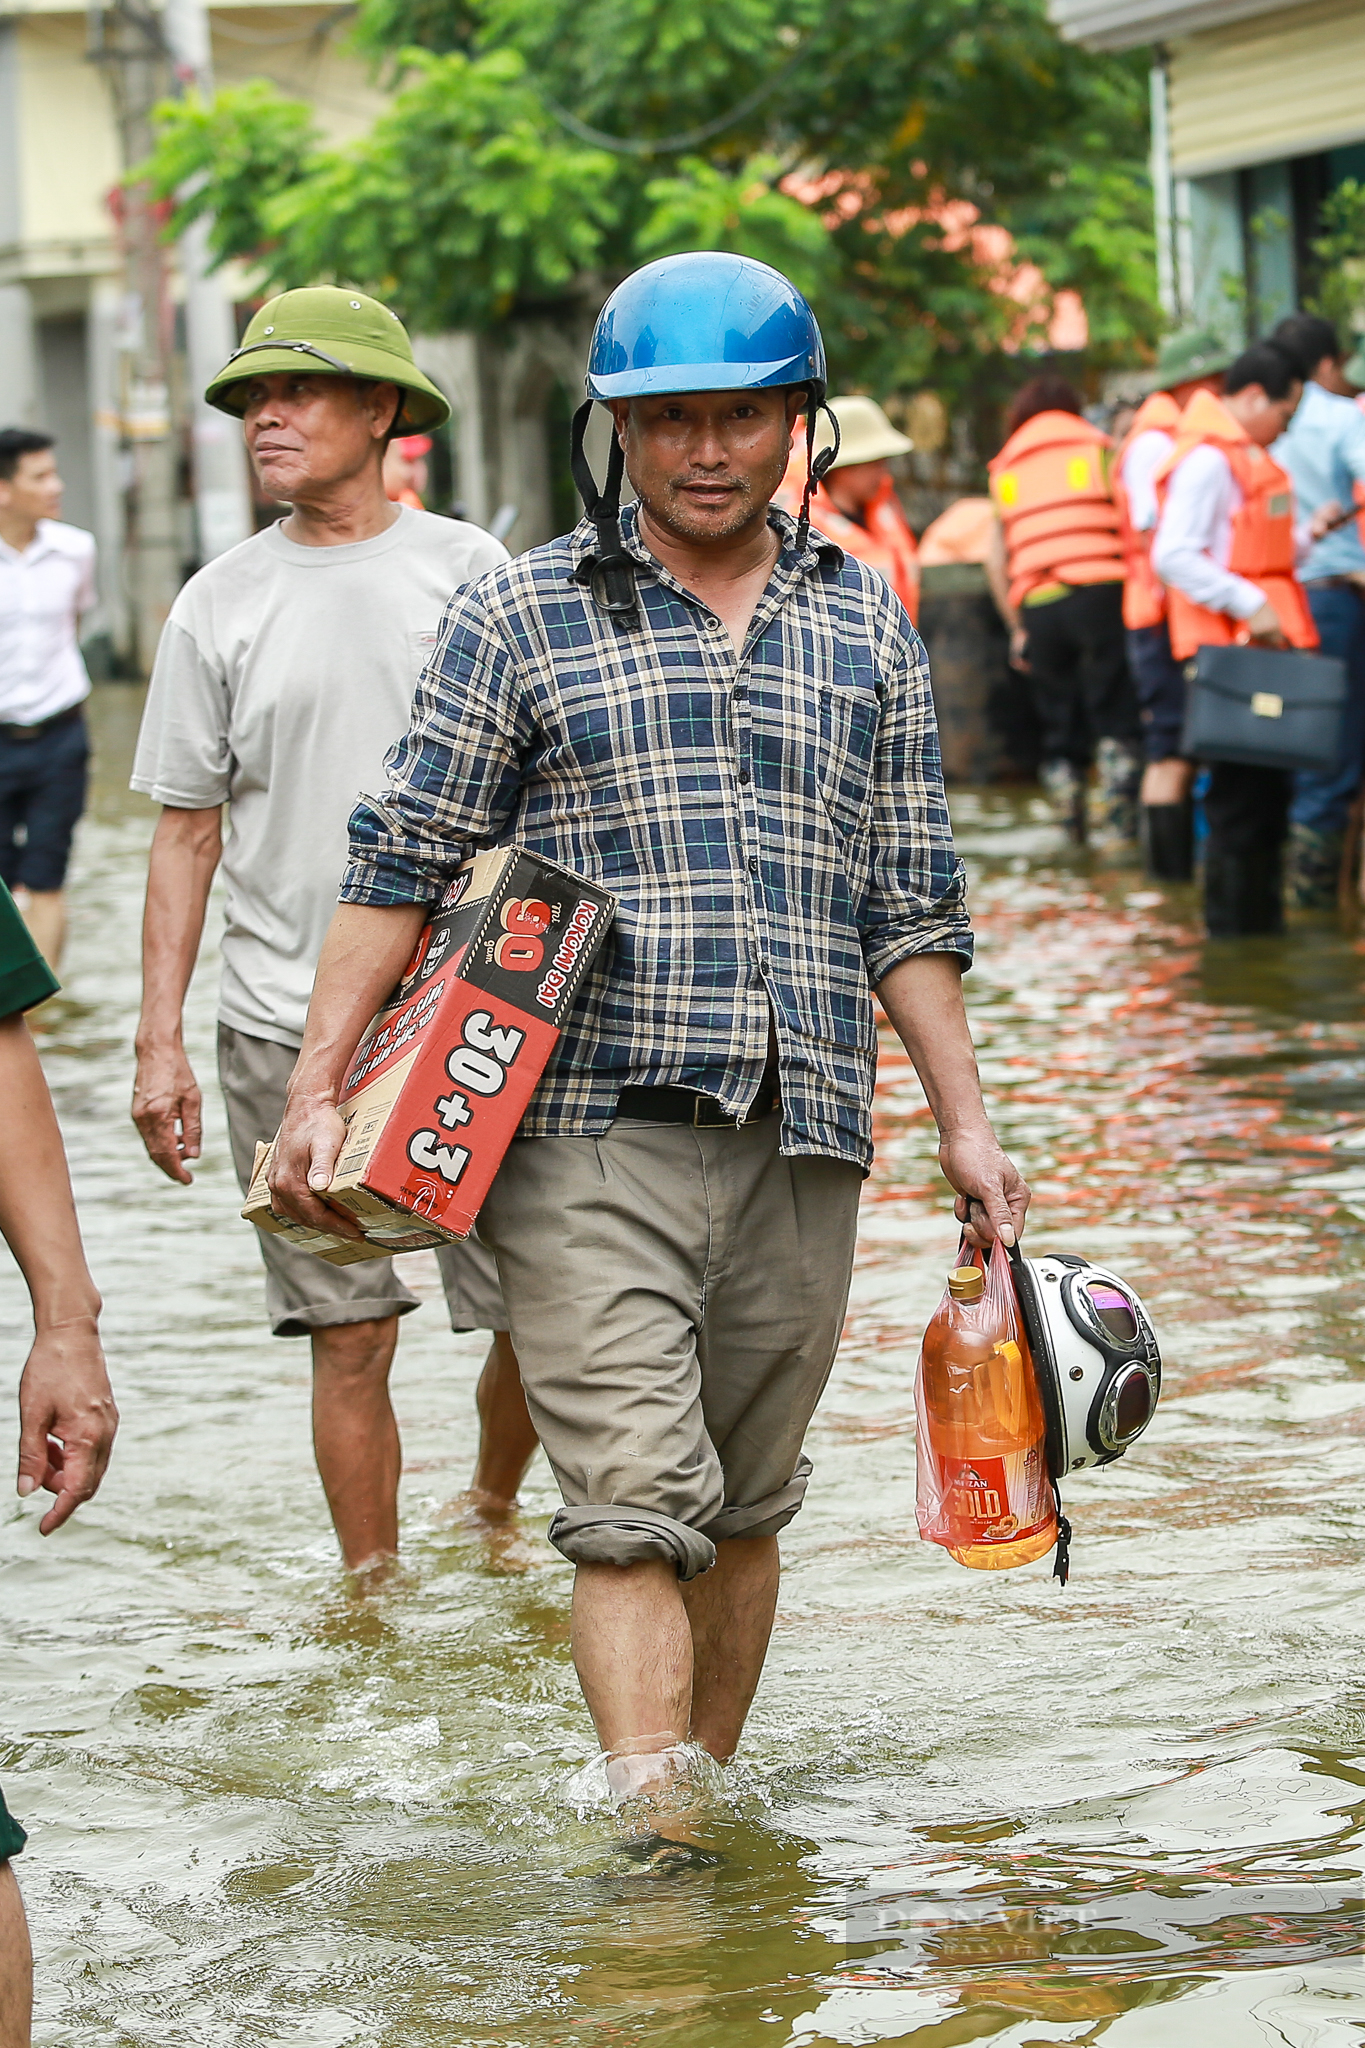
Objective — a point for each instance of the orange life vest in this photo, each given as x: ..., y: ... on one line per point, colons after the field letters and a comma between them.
x: 1144, y: 599
x: 1262, y: 532
x: 1051, y: 488
x: 884, y: 540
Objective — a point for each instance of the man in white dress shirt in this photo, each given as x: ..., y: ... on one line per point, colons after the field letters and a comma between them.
x: 47, y: 579
x: 1224, y: 548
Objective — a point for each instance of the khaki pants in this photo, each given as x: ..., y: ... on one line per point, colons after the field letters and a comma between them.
x: 676, y: 1297
x: 304, y: 1293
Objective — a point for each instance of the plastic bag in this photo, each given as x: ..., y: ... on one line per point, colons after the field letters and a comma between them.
x: 983, y: 1490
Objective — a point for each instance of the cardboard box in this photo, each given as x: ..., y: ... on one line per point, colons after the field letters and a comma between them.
x: 441, y: 1079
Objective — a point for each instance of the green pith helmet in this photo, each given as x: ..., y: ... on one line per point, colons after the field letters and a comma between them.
x: 1194, y: 352
x: 326, y: 331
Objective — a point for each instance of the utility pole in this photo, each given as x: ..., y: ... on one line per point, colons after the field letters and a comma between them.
x: 125, y: 40
x: 222, y: 495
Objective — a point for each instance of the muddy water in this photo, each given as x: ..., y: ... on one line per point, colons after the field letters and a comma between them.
x: 969, y: 1809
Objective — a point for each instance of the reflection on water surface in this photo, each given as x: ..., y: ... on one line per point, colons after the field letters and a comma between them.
x: 970, y: 1809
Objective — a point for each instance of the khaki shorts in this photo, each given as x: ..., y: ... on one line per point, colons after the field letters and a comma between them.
x: 676, y: 1299
x: 304, y: 1293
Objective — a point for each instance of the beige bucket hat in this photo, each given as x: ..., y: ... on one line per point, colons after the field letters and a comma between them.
x: 865, y: 433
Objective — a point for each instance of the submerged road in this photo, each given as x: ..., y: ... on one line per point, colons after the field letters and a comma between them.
x: 969, y: 1809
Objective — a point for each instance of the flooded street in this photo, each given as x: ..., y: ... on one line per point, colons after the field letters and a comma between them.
x: 970, y: 1808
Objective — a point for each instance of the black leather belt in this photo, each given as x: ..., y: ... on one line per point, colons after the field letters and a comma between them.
x: 35, y: 732
x: 685, y: 1106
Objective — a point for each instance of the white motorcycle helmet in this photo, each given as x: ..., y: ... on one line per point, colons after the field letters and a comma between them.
x: 1095, y: 1350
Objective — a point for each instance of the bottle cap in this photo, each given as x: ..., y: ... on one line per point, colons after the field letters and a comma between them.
x: 966, y: 1283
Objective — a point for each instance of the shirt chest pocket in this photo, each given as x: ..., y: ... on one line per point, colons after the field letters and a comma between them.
x: 845, y: 751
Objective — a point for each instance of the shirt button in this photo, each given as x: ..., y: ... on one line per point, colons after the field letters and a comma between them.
x: 740, y: 692
x: 714, y: 626
x: 744, y: 775
x: 763, y: 966
x: 753, y: 863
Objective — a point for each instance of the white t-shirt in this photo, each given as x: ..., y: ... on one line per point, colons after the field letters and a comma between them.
x: 283, y: 677
x: 43, y: 592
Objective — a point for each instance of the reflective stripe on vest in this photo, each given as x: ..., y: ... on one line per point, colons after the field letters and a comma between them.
x: 1051, y: 488
x: 1144, y: 597
x: 1262, y: 533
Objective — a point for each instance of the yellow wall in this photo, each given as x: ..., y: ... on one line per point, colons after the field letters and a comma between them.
x: 1280, y: 85
x: 69, y: 155
x: 68, y: 143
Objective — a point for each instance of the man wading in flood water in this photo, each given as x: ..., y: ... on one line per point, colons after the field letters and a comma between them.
x: 285, y: 672
x: 715, y: 714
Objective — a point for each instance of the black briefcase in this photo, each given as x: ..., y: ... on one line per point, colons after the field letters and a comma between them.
x: 1265, y: 708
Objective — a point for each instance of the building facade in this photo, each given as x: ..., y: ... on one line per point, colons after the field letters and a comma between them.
x: 1258, y: 113
x: 75, y: 313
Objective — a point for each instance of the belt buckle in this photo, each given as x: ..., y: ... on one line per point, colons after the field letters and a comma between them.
x: 707, y: 1114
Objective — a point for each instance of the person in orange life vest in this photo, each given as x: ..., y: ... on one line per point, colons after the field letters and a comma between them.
x: 405, y: 470
x: 1056, y: 573
x: 1225, y: 548
x: 856, y: 505
x: 1187, y: 362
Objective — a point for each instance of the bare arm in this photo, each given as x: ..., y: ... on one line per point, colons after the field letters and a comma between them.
x: 67, y: 1416
x: 167, y: 1105
x: 923, y: 998
x: 997, y: 576
x: 362, y: 960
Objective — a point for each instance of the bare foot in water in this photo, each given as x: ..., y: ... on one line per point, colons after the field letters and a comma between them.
x: 493, y: 1519
x: 658, y: 1790
x: 385, y: 1572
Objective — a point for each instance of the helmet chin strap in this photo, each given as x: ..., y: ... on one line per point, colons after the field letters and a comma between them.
x: 612, y: 573
x: 818, y: 467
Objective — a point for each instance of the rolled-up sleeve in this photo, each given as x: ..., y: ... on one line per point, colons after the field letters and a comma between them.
x: 452, y: 780
x: 916, y: 900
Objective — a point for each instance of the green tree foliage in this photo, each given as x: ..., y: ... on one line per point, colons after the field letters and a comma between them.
x: 1340, y: 254
x: 535, y: 150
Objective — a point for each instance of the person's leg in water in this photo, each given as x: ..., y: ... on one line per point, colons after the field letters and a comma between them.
x: 1165, y: 799
x: 16, y: 1964
x: 1054, y: 685
x: 672, y: 1373
x: 507, y: 1435
x: 1248, y: 817
x: 55, y: 802
x: 355, y: 1438
x: 663, y: 1663
x: 1321, y: 804
x: 350, y: 1314
x: 1109, y: 704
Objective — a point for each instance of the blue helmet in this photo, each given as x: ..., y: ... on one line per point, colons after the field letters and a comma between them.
x: 709, y: 321
x: 705, y: 322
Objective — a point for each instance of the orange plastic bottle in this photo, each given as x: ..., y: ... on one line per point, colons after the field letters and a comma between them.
x: 983, y: 1431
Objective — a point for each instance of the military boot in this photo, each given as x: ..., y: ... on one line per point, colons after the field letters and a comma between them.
x: 1314, y: 867
x: 1118, y: 772
x: 1064, y: 787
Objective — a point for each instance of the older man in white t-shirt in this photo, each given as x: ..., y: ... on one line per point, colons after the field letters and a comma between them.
x: 47, y: 580
x: 285, y: 674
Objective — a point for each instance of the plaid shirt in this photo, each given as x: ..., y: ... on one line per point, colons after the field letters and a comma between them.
x: 772, y: 822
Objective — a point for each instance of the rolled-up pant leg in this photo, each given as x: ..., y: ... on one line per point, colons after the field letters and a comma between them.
x: 675, y: 1299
